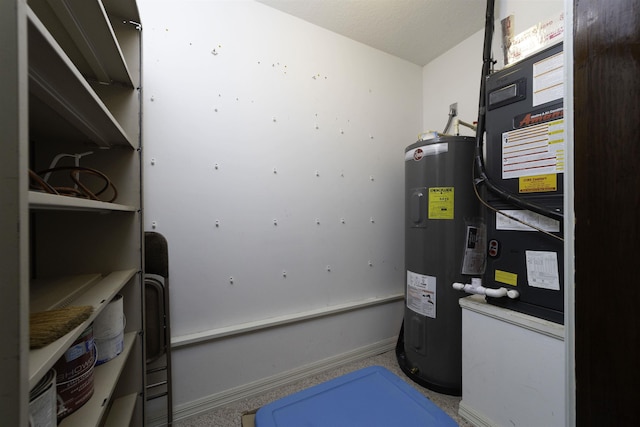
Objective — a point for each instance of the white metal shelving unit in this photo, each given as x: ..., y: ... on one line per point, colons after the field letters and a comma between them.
x: 72, y: 86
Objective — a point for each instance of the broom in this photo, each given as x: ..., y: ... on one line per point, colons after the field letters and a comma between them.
x: 47, y: 326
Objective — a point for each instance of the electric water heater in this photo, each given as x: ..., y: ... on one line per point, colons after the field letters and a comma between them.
x: 443, y: 244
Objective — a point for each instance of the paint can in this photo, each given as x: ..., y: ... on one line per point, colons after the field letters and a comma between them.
x: 108, y: 330
x: 42, y: 402
x: 74, y: 380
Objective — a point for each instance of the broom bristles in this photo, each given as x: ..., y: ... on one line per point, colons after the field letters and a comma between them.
x: 47, y: 326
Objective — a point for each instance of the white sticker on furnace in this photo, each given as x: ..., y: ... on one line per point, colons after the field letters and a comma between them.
x: 475, y: 251
x: 421, y: 294
x: 548, y: 79
x: 533, y: 150
x: 542, y: 270
x: 536, y: 220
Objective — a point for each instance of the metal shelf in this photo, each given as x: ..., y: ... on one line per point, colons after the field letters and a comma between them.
x: 97, y: 295
x: 83, y: 30
x: 57, y: 83
x: 121, y: 411
x: 45, y: 201
x: 57, y: 102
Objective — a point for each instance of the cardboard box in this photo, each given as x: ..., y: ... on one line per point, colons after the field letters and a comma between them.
x: 249, y: 418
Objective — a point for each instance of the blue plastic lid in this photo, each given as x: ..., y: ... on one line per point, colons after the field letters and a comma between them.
x: 369, y: 397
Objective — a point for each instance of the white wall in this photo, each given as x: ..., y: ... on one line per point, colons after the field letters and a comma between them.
x: 234, y: 90
x: 252, y: 116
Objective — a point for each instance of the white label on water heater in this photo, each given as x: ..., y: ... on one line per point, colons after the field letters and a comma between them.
x: 542, y: 270
x: 421, y: 294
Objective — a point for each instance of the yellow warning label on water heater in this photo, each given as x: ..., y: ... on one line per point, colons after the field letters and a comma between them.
x: 538, y: 183
x: 506, y: 277
x: 441, y: 202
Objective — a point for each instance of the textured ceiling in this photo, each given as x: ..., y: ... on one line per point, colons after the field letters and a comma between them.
x: 415, y: 30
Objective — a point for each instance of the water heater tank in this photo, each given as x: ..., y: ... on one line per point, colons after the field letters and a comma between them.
x: 444, y: 243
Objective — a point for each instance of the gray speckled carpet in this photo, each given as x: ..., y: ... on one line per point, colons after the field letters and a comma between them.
x: 230, y: 415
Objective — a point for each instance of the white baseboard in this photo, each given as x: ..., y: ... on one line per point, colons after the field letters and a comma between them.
x: 474, y: 417
x: 285, y: 319
x: 255, y: 388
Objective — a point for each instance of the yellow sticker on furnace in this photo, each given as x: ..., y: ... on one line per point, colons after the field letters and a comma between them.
x: 538, y: 183
x: 506, y: 277
x: 441, y: 203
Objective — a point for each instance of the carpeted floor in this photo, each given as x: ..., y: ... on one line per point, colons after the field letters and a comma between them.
x: 230, y: 415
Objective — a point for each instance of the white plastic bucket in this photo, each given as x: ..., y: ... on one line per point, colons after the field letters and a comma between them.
x: 108, y: 330
x: 42, y: 402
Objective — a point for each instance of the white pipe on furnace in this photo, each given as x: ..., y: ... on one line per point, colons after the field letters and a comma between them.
x: 478, y: 289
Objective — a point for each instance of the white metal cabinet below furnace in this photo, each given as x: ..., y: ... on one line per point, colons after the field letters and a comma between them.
x: 512, y: 367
